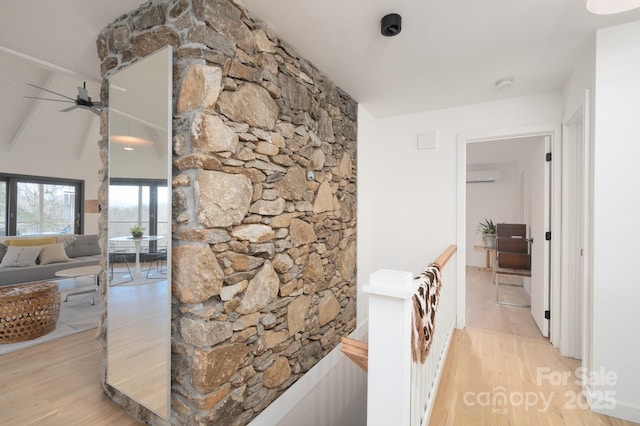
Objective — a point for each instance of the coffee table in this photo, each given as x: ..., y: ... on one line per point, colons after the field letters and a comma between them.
x: 81, y: 271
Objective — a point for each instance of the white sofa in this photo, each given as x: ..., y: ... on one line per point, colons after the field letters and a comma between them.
x: 81, y: 250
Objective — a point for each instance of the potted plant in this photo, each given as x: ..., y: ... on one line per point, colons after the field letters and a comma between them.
x: 488, y: 230
x: 137, y: 231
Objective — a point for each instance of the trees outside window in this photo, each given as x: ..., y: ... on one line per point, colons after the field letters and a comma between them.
x: 45, y: 208
x: 139, y: 202
x: 40, y: 205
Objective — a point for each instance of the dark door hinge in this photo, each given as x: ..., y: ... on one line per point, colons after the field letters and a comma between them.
x: 548, y: 156
x: 547, y: 235
x: 547, y: 314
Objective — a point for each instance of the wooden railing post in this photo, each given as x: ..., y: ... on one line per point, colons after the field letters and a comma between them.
x: 389, y: 383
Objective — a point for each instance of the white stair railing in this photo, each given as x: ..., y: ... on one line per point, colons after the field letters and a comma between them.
x: 400, y: 391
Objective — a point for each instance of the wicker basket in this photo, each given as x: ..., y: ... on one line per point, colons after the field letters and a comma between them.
x: 28, y: 311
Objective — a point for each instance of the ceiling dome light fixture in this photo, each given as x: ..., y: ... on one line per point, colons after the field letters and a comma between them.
x: 504, y: 83
x: 610, y: 7
x: 391, y: 25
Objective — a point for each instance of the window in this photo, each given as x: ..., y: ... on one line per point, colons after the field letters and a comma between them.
x: 40, y: 205
x: 140, y: 202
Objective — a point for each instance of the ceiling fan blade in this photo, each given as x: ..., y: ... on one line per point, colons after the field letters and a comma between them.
x: 50, y: 91
x: 69, y: 109
x: 49, y: 99
x: 97, y: 104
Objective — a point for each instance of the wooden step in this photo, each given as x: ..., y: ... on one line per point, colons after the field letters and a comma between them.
x: 356, y: 351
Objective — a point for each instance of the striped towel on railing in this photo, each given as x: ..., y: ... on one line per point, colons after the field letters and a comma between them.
x: 425, y: 304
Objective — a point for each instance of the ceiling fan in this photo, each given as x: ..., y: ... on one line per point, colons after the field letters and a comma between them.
x: 83, y: 100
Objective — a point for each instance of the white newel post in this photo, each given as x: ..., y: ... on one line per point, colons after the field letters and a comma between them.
x: 389, y: 381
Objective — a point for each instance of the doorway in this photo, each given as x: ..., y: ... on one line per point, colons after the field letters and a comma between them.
x: 507, y: 182
x: 548, y: 301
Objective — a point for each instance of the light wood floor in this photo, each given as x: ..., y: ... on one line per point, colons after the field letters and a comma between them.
x: 483, y: 365
x: 57, y: 383
x: 483, y: 312
x: 139, y: 343
x: 501, y: 353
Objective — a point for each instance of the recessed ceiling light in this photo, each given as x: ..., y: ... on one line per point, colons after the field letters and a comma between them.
x: 504, y: 83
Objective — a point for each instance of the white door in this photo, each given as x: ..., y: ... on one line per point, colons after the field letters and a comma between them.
x: 540, y: 224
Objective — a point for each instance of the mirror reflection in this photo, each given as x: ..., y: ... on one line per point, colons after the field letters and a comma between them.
x: 139, y: 231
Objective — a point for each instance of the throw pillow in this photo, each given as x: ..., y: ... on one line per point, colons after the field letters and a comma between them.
x: 53, y: 253
x: 28, y: 241
x: 3, y: 251
x: 66, y: 239
x: 20, y: 256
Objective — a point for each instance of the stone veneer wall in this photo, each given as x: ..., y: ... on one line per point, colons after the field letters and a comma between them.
x: 264, y: 255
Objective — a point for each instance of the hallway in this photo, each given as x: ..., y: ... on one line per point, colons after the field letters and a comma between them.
x: 501, y: 371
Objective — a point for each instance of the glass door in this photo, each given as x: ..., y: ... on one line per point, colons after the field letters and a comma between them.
x: 45, y: 208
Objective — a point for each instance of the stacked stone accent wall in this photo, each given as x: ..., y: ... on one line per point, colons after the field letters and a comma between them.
x: 264, y: 206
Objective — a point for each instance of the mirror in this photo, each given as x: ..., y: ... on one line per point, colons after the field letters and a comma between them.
x: 139, y: 267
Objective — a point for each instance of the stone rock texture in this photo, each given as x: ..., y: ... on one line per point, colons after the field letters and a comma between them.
x: 250, y: 104
x: 223, y: 199
x: 195, y: 273
x: 264, y: 260
x: 200, y: 89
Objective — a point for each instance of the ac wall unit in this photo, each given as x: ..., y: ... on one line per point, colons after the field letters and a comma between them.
x: 483, y: 176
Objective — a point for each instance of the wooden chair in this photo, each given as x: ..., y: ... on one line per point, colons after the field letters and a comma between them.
x: 513, y: 257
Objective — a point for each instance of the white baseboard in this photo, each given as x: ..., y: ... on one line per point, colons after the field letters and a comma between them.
x: 622, y: 411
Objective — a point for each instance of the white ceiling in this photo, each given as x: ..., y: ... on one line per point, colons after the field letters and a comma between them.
x: 449, y: 52
x: 61, y: 32
x: 61, y: 37
x: 25, y: 121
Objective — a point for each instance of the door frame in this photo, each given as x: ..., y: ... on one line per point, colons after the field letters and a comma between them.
x: 574, y: 293
x: 553, y: 131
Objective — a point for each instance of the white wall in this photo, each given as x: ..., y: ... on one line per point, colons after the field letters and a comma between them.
x: 581, y: 84
x: 581, y: 79
x: 616, y: 205
x: 498, y: 201
x: 407, y: 197
x: 39, y: 157
x: 366, y: 231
